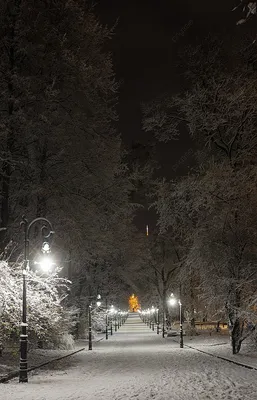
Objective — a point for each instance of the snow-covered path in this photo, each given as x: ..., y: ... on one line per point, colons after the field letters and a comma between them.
x: 137, y: 364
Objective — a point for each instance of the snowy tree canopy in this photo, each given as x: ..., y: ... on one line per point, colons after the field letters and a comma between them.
x: 48, y: 316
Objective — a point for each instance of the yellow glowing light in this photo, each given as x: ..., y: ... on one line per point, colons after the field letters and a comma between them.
x: 133, y: 303
x: 147, y: 230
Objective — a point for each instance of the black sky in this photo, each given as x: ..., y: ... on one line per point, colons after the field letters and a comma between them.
x: 145, y: 58
x: 145, y: 55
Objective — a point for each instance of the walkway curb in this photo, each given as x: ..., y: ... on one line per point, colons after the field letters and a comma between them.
x: 14, y: 374
x: 220, y: 357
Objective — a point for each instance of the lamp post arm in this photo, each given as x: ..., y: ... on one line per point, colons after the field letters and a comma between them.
x: 40, y: 219
x: 27, y: 228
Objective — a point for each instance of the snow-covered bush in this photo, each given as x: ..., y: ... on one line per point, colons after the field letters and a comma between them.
x: 98, y: 320
x: 48, y: 318
x: 10, y: 302
x: 66, y: 342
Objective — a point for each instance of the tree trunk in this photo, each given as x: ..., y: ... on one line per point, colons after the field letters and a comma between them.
x: 192, y: 303
x: 6, y: 175
x: 236, y: 323
x: 41, y: 198
x: 9, y: 144
x: 236, y: 336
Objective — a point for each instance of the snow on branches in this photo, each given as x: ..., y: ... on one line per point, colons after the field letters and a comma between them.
x: 248, y: 8
x: 47, y: 315
x: 213, y: 209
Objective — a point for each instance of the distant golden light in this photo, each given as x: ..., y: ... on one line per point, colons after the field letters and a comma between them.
x: 147, y: 230
x: 133, y: 303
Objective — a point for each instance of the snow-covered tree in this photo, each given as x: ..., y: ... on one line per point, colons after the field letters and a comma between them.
x: 49, y: 318
x: 61, y: 156
x: 248, y: 10
x: 165, y: 260
x: 214, y: 207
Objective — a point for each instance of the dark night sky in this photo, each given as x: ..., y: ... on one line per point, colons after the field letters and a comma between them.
x: 145, y: 56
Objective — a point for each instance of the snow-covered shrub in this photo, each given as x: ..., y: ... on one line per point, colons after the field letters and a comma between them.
x: 66, y: 342
x: 10, y: 301
x: 98, y: 320
x: 48, y: 319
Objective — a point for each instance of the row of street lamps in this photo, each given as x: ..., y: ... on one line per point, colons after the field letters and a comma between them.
x: 111, y: 314
x: 151, y: 317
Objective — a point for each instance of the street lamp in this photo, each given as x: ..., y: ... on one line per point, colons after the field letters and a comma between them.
x: 180, y: 325
x: 106, y: 317
x: 173, y: 301
x: 106, y: 320
x: 98, y: 304
x: 45, y: 262
x: 158, y: 321
x: 148, y: 317
x: 123, y: 313
x: 144, y: 316
x: 153, y: 316
x: 98, y: 300
x: 115, y: 320
x: 46, y: 226
x: 112, y: 311
x: 118, y: 319
x: 163, y: 320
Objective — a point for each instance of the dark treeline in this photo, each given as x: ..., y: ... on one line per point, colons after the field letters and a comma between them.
x: 62, y: 158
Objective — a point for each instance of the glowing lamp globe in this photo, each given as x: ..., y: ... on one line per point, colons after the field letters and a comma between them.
x: 45, y: 264
x: 172, y: 300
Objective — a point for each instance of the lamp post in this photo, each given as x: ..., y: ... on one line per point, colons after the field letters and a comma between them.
x: 98, y: 303
x: 90, y: 327
x: 118, y: 319
x: 112, y: 312
x: 46, y: 225
x: 158, y: 321
x: 153, y: 316
x: 145, y: 320
x: 148, y: 317
x: 173, y: 301
x: 115, y: 320
x: 180, y: 325
x: 111, y: 328
x: 163, y: 323
x: 106, y: 321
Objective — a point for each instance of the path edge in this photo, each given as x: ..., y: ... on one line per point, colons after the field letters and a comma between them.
x: 14, y: 374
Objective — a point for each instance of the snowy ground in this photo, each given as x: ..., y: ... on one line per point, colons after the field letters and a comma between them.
x: 137, y: 364
x: 9, y: 362
x: 220, y: 345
